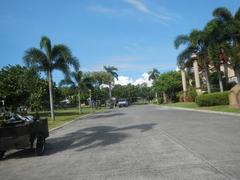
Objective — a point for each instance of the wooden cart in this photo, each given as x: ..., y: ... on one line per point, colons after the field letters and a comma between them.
x: 24, y: 135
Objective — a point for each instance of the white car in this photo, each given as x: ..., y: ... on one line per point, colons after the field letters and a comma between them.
x: 122, y: 103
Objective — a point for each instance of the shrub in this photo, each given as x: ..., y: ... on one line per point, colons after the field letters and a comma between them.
x: 213, y: 99
x: 191, y: 94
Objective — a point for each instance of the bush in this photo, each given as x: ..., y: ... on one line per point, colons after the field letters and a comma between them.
x: 191, y: 94
x: 213, y: 99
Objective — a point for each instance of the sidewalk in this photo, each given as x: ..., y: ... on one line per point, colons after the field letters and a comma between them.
x: 200, y: 110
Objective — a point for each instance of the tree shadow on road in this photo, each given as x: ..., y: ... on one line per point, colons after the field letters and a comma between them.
x: 84, y: 139
x: 92, y: 137
x: 107, y: 115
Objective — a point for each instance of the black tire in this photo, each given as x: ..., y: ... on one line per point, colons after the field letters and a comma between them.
x: 2, y: 154
x: 40, y: 147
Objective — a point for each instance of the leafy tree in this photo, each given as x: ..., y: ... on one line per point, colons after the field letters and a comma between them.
x: 13, y: 87
x: 101, y: 78
x: 169, y: 83
x: 20, y: 86
x: 80, y: 81
x: 49, y: 58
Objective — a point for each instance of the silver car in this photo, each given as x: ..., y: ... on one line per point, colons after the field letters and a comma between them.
x: 123, y: 103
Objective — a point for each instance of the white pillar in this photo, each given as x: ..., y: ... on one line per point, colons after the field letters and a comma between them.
x: 196, y: 76
x: 184, y: 84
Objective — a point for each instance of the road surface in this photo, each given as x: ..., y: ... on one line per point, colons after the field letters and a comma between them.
x: 138, y: 142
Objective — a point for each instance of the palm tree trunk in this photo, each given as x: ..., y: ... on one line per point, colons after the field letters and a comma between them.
x: 110, y: 95
x: 225, y: 66
x: 184, y: 85
x: 237, y: 73
x: 220, y: 80
x: 79, y: 102
x: 51, y: 95
x: 156, y: 96
x: 164, y: 98
x: 207, y: 77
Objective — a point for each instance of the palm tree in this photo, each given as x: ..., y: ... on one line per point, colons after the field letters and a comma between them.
x: 153, y: 74
x: 112, y: 71
x: 49, y: 58
x: 230, y: 36
x: 214, y: 34
x: 80, y: 81
x: 196, y: 43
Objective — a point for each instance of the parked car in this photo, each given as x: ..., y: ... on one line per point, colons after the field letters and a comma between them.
x: 122, y: 103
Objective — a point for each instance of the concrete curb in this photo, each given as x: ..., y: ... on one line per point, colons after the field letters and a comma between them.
x: 76, y: 119
x: 202, y: 110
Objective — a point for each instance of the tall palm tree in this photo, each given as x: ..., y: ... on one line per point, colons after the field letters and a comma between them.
x: 49, y: 58
x: 112, y: 71
x: 230, y: 36
x: 79, y: 81
x: 214, y: 33
x: 196, y: 43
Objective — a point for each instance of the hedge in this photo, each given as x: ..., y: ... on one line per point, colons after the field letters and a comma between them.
x: 213, y: 99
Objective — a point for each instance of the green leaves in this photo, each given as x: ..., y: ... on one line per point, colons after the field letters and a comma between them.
x: 222, y: 14
x: 111, y: 70
x: 45, y: 44
x: 169, y: 82
x: 181, y: 40
x: 153, y: 74
x: 50, y: 58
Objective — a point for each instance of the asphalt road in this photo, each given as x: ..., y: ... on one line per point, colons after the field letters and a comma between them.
x: 139, y: 142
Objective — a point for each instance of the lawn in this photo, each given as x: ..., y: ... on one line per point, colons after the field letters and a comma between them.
x: 192, y: 105
x: 66, y: 115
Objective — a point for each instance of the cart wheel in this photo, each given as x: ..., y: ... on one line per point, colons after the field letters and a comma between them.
x: 40, y: 147
x: 2, y: 154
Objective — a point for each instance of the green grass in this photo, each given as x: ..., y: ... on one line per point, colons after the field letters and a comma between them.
x: 65, y: 115
x: 192, y: 105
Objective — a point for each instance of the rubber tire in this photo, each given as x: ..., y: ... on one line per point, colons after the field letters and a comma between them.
x: 2, y: 154
x: 40, y: 146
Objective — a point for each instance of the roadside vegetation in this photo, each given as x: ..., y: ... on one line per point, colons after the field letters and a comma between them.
x: 203, y: 81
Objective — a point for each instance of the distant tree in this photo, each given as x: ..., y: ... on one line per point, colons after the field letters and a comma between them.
x: 101, y: 78
x: 169, y: 83
x: 49, y: 58
x: 153, y: 74
x: 79, y: 81
x: 112, y: 71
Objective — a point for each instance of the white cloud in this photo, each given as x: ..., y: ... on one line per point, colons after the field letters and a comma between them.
x: 100, y: 9
x: 139, y: 5
x: 124, y: 80
x: 142, y: 7
x: 143, y: 79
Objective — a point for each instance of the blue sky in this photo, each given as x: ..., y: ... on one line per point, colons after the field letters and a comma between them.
x: 133, y: 35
